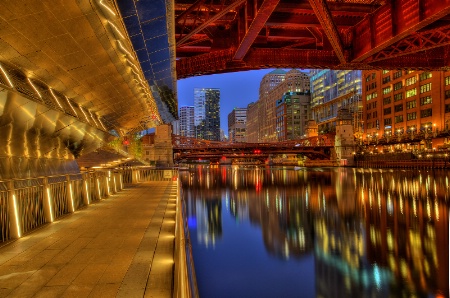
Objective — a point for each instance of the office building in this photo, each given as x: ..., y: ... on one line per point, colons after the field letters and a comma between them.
x: 186, y: 122
x: 237, y: 120
x: 406, y: 109
x: 292, y: 115
x: 207, y: 113
x: 272, y: 88
x: 332, y: 90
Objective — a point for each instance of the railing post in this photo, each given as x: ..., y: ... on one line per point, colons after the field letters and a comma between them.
x: 48, y: 202
x: 107, y: 184
x: 69, y: 194
x: 97, y: 186
x: 85, y: 190
x: 120, y: 174
x: 15, y: 228
x: 134, y: 176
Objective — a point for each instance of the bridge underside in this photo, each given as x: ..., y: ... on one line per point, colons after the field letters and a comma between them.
x: 216, y: 36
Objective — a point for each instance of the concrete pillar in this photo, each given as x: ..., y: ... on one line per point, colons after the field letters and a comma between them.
x: 15, y: 226
x: 69, y: 194
x: 48, y: 202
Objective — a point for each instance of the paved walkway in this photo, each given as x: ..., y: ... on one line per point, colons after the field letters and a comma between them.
x: 121, y: 246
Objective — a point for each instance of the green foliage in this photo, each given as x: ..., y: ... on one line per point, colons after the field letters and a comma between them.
x: 134, y: 147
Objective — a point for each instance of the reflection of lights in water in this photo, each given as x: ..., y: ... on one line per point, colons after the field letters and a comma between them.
x: 376, y: 275
x: 307, y: 198
x: 436, y: 211
x: 323, y: 200
x: 379, y: 202
x: 428, y: 208
x: 401, y: 204
x: 414, y: 207
x: 390, y: 206
x: 286, y: 248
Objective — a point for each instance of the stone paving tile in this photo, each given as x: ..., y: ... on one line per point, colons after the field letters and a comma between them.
x: 97, y: 250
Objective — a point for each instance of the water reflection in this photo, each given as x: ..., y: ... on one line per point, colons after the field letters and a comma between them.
x: 372, y: 233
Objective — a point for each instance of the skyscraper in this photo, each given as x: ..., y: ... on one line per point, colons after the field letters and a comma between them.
x: 207, y: 113
x: 187, y: 123
x: 237, y: 120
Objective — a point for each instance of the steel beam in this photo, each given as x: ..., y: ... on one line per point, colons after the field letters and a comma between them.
x: 323, y: 14
x: 214, y: 18
x: 263, y: 15
x: 417, y: 42
x: 402, y: 25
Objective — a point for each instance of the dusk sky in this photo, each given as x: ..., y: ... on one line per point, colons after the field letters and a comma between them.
x: 237, y: 89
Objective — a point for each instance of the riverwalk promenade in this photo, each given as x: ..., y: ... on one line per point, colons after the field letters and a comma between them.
x: 121, y: 246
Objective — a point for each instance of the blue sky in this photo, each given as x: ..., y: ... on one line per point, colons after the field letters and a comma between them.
x: 237, y: 89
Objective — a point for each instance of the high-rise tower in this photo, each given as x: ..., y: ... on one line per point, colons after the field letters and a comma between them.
x: 207, y: 113
x: 186, y: 122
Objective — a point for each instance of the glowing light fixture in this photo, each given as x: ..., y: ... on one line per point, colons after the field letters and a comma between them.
x: 107, y: 7
x: 34, y: 87
x: 16, y: 215
x: 6, y: 76
x: 57, y: 101
x: 122, y: 47
x: 71, y: 106
x: 71, y: 196
x: 116, y: 29
x: 85, y: 116
x: 50, y: 204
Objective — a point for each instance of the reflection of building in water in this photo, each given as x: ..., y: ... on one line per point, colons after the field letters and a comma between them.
x: 341, y: 264
x: 205, y: 206
x: 284, y: 220
x: 374, y: 233
x: 407, y: 224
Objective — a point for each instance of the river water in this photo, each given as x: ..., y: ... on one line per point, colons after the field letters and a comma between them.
x: 318, y: 232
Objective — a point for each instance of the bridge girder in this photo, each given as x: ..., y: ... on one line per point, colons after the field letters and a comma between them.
x: 311, y: 34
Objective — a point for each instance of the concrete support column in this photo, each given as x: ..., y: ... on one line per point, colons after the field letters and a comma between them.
x: 85, y: 189
x: 69, y: 194
x: 48, y: 202
x: 15, y: 227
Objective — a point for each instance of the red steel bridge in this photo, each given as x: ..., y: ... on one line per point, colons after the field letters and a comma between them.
x: 217, y: 36
x: 319, y: 147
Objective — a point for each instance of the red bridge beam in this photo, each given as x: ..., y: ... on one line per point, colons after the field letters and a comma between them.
x: 393, y: 22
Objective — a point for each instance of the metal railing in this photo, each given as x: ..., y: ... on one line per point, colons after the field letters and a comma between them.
x: 26, y: 204
x: 185, y: 281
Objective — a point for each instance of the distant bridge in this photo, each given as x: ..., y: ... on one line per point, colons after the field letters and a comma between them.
x: 184, y: 148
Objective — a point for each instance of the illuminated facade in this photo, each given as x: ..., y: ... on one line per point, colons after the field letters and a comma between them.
x: 272, y: 88
x: 292, y: 115
x: 186, y: 122
x: 252, y: 125
x: 409, y: 107
x: 334, y: 89
x: 237, y: 120
x: 207, y: 113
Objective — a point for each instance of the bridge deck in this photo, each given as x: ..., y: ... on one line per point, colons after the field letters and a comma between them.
x: 119, y: 247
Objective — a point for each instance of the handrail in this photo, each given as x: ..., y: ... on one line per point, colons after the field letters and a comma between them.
x: 185, y: 284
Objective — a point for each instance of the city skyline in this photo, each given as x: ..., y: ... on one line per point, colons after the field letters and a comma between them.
x: 237, y: 90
